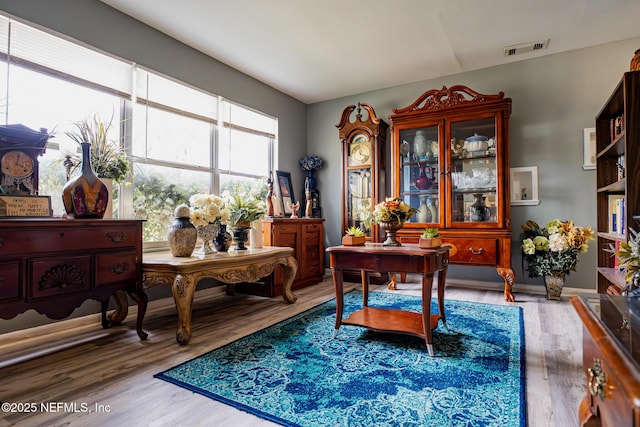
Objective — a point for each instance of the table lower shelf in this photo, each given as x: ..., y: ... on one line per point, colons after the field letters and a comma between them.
x: 390, y: 320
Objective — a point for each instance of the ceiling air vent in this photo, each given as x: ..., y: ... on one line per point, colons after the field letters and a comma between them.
x: 525, y: 47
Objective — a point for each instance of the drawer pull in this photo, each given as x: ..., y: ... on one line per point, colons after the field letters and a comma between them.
x: 597, y: 379
x: 119, y: 268
x: 117, y: 236
x: 476, y: 251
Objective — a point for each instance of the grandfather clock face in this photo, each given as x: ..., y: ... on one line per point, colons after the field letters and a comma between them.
x: 19, y: 151
x: 360, y: 150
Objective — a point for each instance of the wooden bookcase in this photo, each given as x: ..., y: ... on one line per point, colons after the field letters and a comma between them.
x: 618, y: 176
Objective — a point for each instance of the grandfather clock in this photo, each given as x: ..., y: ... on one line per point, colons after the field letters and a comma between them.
x: 363, y: 167
x: 19, y: 151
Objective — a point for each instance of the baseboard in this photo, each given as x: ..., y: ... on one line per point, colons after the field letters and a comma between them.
x: 499, y: 286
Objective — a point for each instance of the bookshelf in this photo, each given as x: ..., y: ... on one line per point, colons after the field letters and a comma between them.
x: 618, y: 177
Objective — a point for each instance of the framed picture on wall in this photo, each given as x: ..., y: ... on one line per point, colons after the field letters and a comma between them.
x: 589, y: 148
x: 285, y: 192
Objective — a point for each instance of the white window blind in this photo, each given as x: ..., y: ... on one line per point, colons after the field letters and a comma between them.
x: 28, y: 45
x: 163, y: 91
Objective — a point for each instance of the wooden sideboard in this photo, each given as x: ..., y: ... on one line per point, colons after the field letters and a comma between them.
x: 54, y: 265
x: 611, y: 357
x: 306, y: 237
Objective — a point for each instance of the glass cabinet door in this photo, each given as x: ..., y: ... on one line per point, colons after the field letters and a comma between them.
x: 473, y: 171
x: 420, y: 172
x: 359, y: 191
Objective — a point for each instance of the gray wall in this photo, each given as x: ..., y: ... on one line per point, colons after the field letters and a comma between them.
x: 554, y: 98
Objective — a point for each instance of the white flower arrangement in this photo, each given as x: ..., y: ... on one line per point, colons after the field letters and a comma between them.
x: 207, y: 209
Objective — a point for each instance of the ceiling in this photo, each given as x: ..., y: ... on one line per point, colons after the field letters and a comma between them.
x: 320, y: 50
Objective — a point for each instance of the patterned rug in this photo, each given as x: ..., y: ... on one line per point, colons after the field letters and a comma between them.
x: 293, y: 373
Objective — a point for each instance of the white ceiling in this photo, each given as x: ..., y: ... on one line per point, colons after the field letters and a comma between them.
x: 320, y: 50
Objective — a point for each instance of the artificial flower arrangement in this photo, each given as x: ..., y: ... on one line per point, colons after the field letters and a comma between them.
x: 393, y: 209
x: 244, y: 209
x: 553, y: 249
x: 310, y: 163
x: 628, y: 254
x: 207, y: 209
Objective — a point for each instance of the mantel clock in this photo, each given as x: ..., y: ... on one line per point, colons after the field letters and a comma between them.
x: 19, y: 151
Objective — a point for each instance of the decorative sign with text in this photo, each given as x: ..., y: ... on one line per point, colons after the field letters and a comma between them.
x: 25, y: 206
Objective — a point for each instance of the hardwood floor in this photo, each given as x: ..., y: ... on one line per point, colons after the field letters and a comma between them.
x: 78, y: 362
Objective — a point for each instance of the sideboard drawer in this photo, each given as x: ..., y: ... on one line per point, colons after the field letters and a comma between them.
x: 59, y: 276
x: 474, y: 251
x: 29, y: 241
x: 612, y: 407
x: 9, y: 280
x: 115, y: 267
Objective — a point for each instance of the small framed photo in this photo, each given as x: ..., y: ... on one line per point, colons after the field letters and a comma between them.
x: 524, y: 186
x: 589, y: 148
x: 285, y: 192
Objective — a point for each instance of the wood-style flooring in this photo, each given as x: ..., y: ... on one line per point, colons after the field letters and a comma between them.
x: 76, y: 362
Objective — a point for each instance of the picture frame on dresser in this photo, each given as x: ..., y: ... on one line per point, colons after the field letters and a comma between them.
x: 285, y: 192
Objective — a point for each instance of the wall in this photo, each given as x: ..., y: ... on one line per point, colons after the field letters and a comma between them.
x: 554, y: 98
x: 98, y: 25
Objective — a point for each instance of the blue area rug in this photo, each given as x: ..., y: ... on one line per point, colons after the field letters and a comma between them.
x: 295, y: 374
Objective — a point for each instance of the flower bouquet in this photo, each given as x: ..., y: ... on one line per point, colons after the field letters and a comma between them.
x: 552, y: 251
x: 207, y: 209
x: 391, y: 215
x: 628, y: 254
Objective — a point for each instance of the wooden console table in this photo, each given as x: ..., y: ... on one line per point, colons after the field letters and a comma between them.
x: 183, y: 275
x: 611, y: 361
x: 53, y: 265
x: 377, y: 258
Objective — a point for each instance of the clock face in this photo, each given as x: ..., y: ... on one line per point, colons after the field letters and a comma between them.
x: 360, y: 150
x: 17, y: 164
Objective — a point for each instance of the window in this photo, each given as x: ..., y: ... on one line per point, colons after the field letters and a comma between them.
x: 180, y: 140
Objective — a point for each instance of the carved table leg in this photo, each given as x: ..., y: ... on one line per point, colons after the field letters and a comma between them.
x: 392, y: 283
x: 183, y: 289
x: 290, y: 268
x: 104, y: 306
x: 508, y: 276
x: 141, y: 299
x: 121, y: 310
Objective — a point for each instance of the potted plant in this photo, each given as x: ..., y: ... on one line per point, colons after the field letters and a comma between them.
x: 107, y: 159
x: 243, y: 210
x: 430, y: 238
x: 354, y: 236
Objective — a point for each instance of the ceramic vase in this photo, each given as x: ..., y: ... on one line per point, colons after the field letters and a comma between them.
x: 240, y: 237
x: 420, y: 144
x: 85, y: 196
x: 431, y: 205
x: 311, y: 181
x: 206, y: 233
x: 478, y: 212
x: 255, y: 235
x: 423, y: 214
x: 422, y: 182
x: 182, y: 234
x: 391, y: 228
x: 222, y: 240
x: 554, y: 283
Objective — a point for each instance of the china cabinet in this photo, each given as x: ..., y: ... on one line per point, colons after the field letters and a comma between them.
x: 450, y: 161
x: 363, y: 167
x: 617, y: 177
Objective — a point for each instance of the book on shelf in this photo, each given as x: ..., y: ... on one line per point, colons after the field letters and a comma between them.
x: 616, y: 213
